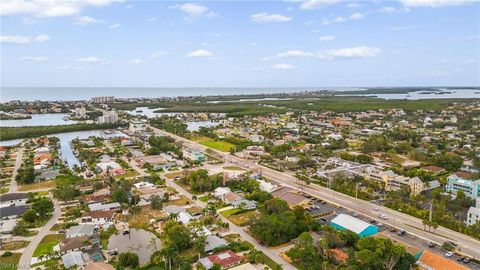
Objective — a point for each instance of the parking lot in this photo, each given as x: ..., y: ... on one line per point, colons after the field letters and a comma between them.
x: 412, y: 243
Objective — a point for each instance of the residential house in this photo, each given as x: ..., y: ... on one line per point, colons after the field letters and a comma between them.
x: 104, y: 207
x: 11, y: 199
x: 80, y: 230
x: 473, y: 214
x: 225, y: 259
x: 212, y: 242
x: 74, y: 258
x: 99, y: 218
x: 245, y: 204
x: 12, y: 212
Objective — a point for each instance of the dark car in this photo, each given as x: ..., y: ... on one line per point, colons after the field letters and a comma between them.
x: 373, y: 221
x: 431, y: 245
x: 453, y: 243
x: 393, y: 230
x: 460, y: 259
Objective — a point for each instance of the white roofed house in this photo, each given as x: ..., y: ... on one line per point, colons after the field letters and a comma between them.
x: 104, y: 207
x: 473, y: 214
x: 220, y: 192
x: 80, y: 230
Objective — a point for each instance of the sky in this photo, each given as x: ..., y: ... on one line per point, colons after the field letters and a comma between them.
x: 292, y: 43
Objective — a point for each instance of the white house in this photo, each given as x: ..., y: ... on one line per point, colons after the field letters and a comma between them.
x: 220, y: 192
x: 473, y: 214
x: 11, y: 199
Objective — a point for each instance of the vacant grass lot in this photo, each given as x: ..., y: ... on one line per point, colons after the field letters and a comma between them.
x: 142, y: 219
x: 36, y: 186
x: 14, y: 245
x: 47, y: 244
x: 219, y: 145
x: 10, y: 262
x: 240, y: 217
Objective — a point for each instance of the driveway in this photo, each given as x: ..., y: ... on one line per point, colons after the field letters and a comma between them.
x: 18, y: 162
x: 26, y: 258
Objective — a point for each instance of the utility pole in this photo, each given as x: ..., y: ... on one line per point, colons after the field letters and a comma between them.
x: 356, y: 190
x: 431, y: 212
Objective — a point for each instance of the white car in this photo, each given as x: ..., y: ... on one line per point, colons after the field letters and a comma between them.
x: 376, y: 209
x: 382, y: 216
x: 355, y: 214
x: 449, y: 254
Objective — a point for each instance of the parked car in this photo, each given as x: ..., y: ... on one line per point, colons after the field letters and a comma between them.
x: 460, y: 259
x: 466, y: 260
x: 431, y: 245
x: 382, y: 216
x: 453, y: 243
x: 449, y: 254
x: 402, y: 232
x: 355, y: 214
x: 376, y: 209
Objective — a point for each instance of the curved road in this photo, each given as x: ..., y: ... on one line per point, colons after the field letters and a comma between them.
x: 413, y: 225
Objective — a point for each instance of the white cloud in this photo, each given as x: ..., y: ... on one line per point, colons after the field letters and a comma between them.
x: 265, y: 17
x: 84, y: 20
x: 159, y: 54
x: 23, y: 39
x: 283, y: 66
x: 152, y: 19
x: 199, y: 53
x: 434, y: 3
x: 314, y: 4
x: 67, y: 67
x: 294, y: 53
x: 49, y: 8
x: 354, y: 52
x: 15, y: 39
x: 135, y: 61
x: 357, y: 16
x: 42, y: 38
x: 27, y: 20
x: 91, y: 59
x: 194, y: 11
x: 387, y: 10
x: 327, y: 38
x: 113, y: 26
x: 37, y: 59
x: 354, y: 5
x: 252, y: 44
x: 339, y: 19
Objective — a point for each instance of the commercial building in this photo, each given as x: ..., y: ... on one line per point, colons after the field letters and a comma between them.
x: 459, y: 181
x: 110, y: 117
x: 360, y: 227
x: 105, y: 99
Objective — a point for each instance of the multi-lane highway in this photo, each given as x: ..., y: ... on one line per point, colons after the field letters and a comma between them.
x: 466, y: 244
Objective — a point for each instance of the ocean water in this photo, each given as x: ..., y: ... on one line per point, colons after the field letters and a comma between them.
x: 84, y: 93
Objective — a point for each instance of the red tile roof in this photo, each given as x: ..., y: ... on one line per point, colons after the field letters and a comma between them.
x: 225, y: 258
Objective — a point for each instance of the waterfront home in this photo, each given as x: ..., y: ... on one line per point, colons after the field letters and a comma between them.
x: 109, y: 168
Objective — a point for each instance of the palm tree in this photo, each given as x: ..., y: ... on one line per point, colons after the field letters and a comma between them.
x: 199, y: 245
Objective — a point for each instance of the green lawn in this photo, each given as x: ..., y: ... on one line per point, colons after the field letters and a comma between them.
x: 219, y: 145
x: 47, y: 244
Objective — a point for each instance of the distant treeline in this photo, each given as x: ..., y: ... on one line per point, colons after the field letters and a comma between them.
x: 11, y: 133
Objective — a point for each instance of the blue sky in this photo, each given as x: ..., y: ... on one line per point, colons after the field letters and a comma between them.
x: 292, y: 43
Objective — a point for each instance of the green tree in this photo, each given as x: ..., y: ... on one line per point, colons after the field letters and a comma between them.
x: 128, y: 260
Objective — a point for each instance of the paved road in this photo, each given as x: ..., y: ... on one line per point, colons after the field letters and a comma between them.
x: 18, y: 162
x: 236, y: 229
x: 26, y: 258
x: 466, y: 244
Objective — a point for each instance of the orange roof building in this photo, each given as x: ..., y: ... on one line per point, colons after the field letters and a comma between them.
x: 429, y: 261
